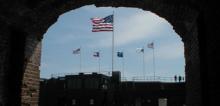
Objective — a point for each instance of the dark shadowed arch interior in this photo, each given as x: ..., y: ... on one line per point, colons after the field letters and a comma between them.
x: 34, y: 18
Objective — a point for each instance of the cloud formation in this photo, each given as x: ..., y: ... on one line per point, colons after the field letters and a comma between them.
x: 134, y: 28
x: 167, y: 51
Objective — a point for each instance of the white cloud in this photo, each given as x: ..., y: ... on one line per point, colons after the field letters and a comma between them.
x: 137, y: 27
x: 66, y: 38
x: 171, y: 51
x: 167, y: 51
x: 43, y: 65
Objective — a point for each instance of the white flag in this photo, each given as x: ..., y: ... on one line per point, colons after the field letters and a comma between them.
x: 140, y: 50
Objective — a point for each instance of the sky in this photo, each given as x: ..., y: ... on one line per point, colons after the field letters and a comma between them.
x: 133, y: 28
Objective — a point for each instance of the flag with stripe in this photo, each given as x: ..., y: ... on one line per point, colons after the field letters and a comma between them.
x: 150, y: 45
x: 102, y: 24
x: 76, y: 51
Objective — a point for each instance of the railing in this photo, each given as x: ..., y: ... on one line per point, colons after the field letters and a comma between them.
x: 123, y: 79
x: 151, y: 79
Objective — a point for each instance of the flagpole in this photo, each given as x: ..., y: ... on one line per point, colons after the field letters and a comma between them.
x: 154, y: 62
x: 113, y: 44
x: 80, y: 64
x: 99, y: 61
x: 123, y: 63
x: 143, y: 64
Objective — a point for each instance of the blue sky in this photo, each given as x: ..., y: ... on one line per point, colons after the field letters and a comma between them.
x: 134, y: 28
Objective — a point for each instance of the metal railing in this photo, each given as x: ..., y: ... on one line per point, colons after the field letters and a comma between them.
x: 150, y: 79
x: 123, y: 79
x: 153, y: 78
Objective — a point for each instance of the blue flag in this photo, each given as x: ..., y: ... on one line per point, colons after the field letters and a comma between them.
x: 120, y: 54
x: 96, y: 54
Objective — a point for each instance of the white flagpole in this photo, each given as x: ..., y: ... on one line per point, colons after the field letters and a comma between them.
x: 113, y: 44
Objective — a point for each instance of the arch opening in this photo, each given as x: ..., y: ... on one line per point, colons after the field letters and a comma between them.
x: 138, y: 25
x: 131, y: 32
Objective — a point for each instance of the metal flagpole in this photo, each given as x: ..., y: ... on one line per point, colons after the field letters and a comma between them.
x: 123, y: 66
x: 143, y: 63
x: 80, y: 64
x: 153, y: 61
x: 113, y: 44
x: 99, y: 61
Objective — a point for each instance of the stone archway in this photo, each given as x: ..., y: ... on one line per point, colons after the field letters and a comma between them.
x: 31, y: 19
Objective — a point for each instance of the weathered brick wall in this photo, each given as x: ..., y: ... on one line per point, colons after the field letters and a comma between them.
x: 31, y: 76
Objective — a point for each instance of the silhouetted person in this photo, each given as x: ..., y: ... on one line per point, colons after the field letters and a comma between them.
x: 183, y: 78
x: 175, y: 78
x: 180, y: 78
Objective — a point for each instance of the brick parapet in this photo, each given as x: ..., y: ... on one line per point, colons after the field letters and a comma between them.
x: 31, y: 76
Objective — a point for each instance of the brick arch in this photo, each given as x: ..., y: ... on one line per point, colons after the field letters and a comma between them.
x: 34, y: 18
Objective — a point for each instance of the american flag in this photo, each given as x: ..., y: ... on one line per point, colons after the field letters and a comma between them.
x: 102, y: 24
